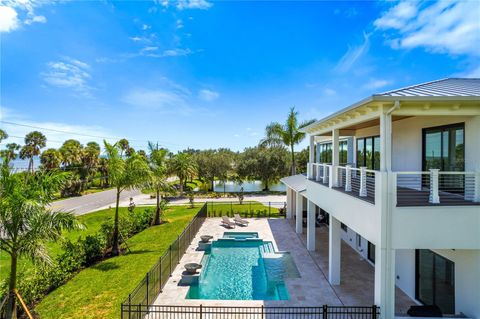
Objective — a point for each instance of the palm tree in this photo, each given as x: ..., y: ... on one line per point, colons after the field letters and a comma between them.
x: 124, y: 173
x: 184, y: 167
x: 3, y: 135
x: 287, y: 134
x: 71, y: 151
x: 50, y: 159
x: 34, y: 141
x: 10, y: 152
x: 26, y: 222
x: 158, y: 166
x: 90, y: 159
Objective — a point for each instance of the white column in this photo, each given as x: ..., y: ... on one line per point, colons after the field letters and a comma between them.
x: 335, y: 157
x: 289, y: 202
x: 311, y: 154
x: 434, y: 196
x: 310, y: 226
x: 299, y: 213
x: 384, y: 290
x: 385, y: 140
x: 334, y: 251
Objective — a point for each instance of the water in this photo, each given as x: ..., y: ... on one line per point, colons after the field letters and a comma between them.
x: 240, y: 235
x: 237, y: 270
x: 248, y: 186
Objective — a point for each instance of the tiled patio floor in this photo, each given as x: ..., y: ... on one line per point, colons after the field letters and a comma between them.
x: 357, y: 274
x: 312, y: 289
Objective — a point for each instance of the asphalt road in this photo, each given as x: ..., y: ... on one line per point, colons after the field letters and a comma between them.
x: 87, y: 203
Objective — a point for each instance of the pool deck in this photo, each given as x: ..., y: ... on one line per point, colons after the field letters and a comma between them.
x: 312, y: 289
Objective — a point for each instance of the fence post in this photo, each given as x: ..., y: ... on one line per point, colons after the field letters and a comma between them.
x: 348, y: 178
x: 178, y: 250
x: 434, y: 197
x: 325, y: 311
x: 170, y: 249
x: 129, y: 305
x: 269, y: 209
x: 148, y: 279
x: 374, y: 312
x: 200, y: 311
x: 262, y: 312
x: 363, y: 182
x: 160, y: 275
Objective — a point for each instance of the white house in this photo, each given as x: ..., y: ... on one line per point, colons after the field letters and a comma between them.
x: 400, y: 172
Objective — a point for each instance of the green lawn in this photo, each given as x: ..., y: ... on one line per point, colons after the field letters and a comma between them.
x: 247, y: 209
x: 98, y: 291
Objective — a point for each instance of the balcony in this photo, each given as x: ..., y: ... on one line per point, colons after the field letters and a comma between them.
x: 431, y: 188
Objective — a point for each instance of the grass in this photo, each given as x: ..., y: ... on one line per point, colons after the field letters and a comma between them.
x: 98, y: 291
x: 247, y: 209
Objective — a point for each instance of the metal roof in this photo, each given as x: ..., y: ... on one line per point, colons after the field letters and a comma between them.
x: 297, y: 182
x: 438, y: 88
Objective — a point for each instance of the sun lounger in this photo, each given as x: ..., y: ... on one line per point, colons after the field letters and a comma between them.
x: 226, y: 221
x: 239, y: 220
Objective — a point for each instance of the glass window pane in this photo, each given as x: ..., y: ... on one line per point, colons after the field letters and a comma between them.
x: 369, y: 153
x: 444, y: 285
x: 425, y: 276
x: 376, y: 154
x: 458, y: 151
x: 360, y: 152
x: 433, y: 144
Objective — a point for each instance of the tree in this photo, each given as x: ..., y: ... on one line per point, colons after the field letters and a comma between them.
x: 124, y: 173
x: 157, y: 161
x: 10, y: 152
x: 3, y: 135
x: 71, y: 151
x: 184, y: 167
x: 214, y: 164
x: 267, y: 164
x: 34, y: 142
x: 302, y: 158
x: 50, y: 159
x: 26, y: 222
x: 90, y: 158
x: 287, y: 134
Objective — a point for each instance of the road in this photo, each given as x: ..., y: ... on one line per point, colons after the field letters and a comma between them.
x: 91, y: 202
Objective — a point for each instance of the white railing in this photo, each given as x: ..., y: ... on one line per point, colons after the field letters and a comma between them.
x: 360, y: 182
x: 435, y: 187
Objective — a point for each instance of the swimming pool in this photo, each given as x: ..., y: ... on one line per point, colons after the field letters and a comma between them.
x: 240, y: 235
x: 247, y: 269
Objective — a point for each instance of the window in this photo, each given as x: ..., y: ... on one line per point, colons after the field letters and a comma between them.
x: 435, y: 280
x: 371, y: 252
x: 326, y: 152
x: 443, y: 148
x: 368, y: 152
x: 344, y: 227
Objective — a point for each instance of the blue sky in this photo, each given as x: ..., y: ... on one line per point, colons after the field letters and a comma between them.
x: 204, y: 74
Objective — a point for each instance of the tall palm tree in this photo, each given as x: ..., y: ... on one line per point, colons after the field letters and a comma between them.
x: 34, y: 142
x: 157, y: 161
x: 10, y: 152
x: 50, y: 159
x: 183, y: 166
x: 124, y: 173
x: 287, y: 134
x: 90, y: 158
x: 3, y: 135
x: 26, y: 222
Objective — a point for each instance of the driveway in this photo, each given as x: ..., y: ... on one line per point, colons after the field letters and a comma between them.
x: 91, y: 202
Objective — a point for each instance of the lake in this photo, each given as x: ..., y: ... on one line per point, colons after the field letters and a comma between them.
x: 248, y: 186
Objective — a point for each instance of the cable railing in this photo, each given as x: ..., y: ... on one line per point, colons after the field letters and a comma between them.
x: 436, y: 187
x: 358, y: 182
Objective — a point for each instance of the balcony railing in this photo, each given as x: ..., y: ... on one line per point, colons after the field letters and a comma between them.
x: 437, y: 188
x: 358, y: 182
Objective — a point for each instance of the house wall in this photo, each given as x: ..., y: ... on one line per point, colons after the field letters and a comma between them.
x: 407, y: 140
x: 350, y: 237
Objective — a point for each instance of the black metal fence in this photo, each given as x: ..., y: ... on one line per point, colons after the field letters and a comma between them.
x: 247, y: 209
x: 136, y: 305
x: 259, y: 312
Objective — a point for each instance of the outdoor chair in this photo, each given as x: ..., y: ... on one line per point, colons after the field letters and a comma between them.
x: 226, y: 222
x: 240, y: 221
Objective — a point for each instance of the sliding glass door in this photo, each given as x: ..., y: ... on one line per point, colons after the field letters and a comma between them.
x: 435, y: 280
x: 443, y: 149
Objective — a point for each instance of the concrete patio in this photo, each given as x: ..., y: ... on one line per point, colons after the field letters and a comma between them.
x: 312, y: 289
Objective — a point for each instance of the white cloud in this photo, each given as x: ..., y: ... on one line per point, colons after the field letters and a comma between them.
x: 174, y: 101
x: 353, y: 54
x: 472, y: 73
x: 176, y: 52
x: 51, y: 130
x: 69, y: 73
x: 451, y: 27
x: 208, y: 95
x: 374, y: 84
x: 36, y: 19
x: 193, y: 4
x: 146, y: 27
x: 179, y: 24
x: 8, y: 19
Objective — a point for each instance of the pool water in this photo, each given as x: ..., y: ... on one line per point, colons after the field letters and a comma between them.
x: 240, y: 235
x: 243, y: 270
